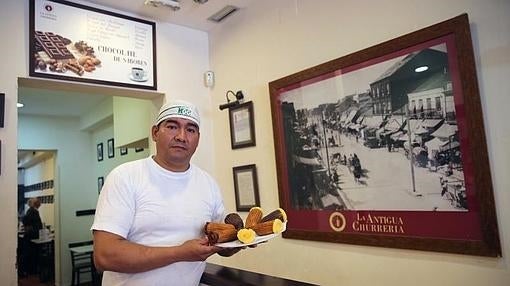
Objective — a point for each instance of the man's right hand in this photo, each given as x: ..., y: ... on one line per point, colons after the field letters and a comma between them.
x: 199, y: 249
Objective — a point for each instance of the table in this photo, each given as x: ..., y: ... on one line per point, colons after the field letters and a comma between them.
x: 218, y: 275
x: 85, y: 249
x: 82, y: 249
x: 43, y: 240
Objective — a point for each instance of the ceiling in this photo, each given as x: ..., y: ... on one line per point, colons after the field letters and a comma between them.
x: 56, y: 103
x: 191, y: 14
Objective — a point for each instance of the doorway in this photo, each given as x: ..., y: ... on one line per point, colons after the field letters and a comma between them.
x: 47, y: 122
x: 36, y: 216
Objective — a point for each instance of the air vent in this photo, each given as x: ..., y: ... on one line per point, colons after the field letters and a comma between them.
x: 223, y: 13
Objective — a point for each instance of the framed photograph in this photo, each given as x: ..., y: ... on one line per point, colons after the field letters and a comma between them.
x: 242, y: 130
x: 100, y: 183
x: 2, y: 109
x: 137, y: 150
x: 246, y: 187
x: 386, y: 147
x: 100, y: 151
x: 123, y: 151
x: 111, y: 148
x: 71, y: 41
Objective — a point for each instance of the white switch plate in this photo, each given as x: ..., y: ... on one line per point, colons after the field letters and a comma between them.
x: 209, y: 78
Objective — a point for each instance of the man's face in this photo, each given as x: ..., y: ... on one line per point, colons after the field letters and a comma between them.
x: 176, y: 141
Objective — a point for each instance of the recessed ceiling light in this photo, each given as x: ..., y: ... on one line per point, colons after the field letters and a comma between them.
x: 421, y: 69
x: 19, y: 105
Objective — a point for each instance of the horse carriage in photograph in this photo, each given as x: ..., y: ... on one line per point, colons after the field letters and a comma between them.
x: 454, y: 190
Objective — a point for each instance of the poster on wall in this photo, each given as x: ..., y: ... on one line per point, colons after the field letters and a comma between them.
x: 386, y: 147
x: 70, y: 41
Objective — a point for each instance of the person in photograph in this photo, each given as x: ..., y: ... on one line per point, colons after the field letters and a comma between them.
x: 148, y: 226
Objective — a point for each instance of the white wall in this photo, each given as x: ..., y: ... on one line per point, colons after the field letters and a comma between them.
x: 278, y: 38
x: 15, y: 64
x: 182, y: 58
x: 103, y: 168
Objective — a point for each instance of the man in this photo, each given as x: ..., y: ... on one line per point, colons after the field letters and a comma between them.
x: 148, y: 228
x: 32, y: 223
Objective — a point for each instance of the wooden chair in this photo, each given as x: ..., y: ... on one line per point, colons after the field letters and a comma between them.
x: 81, y: 262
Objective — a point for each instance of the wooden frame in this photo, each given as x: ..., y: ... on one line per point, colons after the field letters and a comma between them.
x: 246, y: 187
x: 401, y: 161
x: 242, y: 126
x: 2, y: 109
x: 111, y: 148
x: 71, y: 41
x: 99, y: 148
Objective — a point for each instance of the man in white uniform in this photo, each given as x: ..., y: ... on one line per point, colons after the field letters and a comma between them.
x: 148, y: 227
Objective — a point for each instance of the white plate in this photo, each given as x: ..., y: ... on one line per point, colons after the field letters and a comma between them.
x: 258, y: 239
x: 144, y: 78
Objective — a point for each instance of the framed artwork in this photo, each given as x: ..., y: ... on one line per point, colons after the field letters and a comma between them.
x: 100, y: 151
x: 111, y: 148
x: 138, y: 150
x: 2, y: 109
x: 123, y: 151
x: 242, y: 129
x: 100, y: 183
x: 108, y: 48
x: 246, y: 187
x: 386, y: 147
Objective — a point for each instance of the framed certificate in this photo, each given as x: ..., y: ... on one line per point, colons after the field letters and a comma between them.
x: 246, y: 187
x: 242, y: 130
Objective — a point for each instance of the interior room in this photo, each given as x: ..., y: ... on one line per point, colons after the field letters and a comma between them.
x: 271, y: 65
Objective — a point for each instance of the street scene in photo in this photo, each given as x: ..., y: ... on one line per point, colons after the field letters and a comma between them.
x: 382, y: 137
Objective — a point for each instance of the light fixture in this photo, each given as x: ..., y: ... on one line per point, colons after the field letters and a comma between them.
x: 19, y: 105
x: 239, y: 96
x: 421, y: 69
x: 172, y: 4
x: 223, y: 13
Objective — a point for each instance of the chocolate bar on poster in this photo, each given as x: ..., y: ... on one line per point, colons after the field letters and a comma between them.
x: 54, y: 45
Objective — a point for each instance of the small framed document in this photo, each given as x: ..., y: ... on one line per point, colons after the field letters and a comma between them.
x: 242, y: 129
x: 246, y: 187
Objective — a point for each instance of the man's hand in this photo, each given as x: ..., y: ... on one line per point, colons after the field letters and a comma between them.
x: 227, y: 252
x: 199, y: 249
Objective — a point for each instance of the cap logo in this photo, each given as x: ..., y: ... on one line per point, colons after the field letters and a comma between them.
x: 183, y: 110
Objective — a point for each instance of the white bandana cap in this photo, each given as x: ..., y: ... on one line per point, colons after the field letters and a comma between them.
x: 180, y: 109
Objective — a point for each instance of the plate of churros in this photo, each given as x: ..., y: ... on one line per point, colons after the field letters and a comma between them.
x: 257, y: 228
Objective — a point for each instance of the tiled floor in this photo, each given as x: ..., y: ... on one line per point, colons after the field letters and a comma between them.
x: 33, y: 280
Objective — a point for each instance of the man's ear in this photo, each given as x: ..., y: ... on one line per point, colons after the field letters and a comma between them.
x: 154, y: 132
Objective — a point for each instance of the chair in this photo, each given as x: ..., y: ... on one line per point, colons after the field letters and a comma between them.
x: 81, y: 262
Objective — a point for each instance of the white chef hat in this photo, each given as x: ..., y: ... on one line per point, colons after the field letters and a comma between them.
x: 180, y: 109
